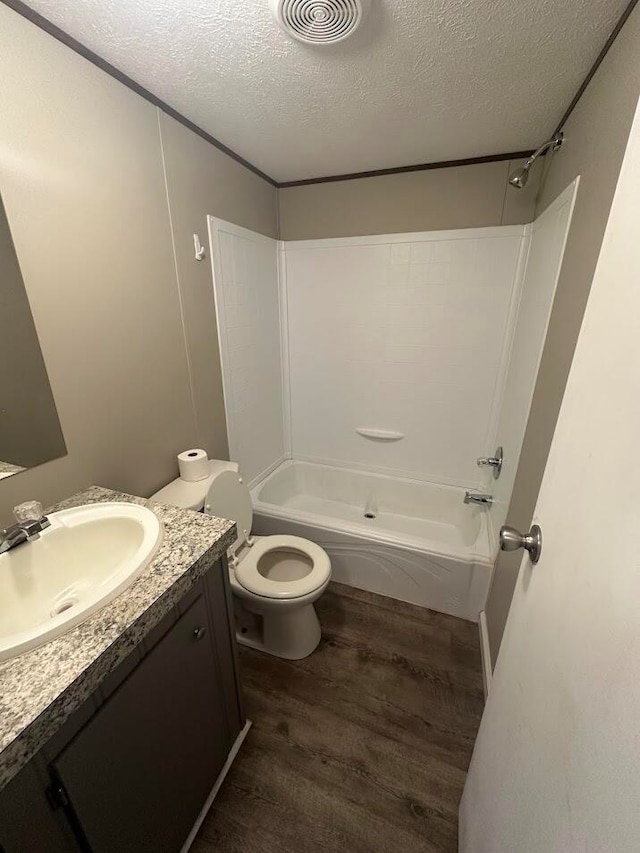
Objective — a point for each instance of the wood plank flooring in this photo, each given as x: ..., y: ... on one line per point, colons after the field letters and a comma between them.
x: 363, y: 747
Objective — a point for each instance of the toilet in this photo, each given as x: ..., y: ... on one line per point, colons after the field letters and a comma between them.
x: 275, y: 580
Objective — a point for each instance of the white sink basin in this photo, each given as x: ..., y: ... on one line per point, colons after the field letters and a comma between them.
x: 88, y: 556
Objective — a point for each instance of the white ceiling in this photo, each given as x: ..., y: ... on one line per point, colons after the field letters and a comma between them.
x: 421, y: 81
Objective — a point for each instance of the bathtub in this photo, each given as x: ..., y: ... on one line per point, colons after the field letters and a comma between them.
x: 410, y: 540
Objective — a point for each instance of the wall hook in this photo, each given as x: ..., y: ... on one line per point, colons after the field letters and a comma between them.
x: 199, y: 250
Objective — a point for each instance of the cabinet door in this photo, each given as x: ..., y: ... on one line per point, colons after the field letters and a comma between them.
x: 140, y: 771
x: 220, y: 605
x: 27, y: 821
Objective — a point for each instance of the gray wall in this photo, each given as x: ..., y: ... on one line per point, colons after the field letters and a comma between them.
x: 82, y: 176
x: 202, y: 180
x: 596, y: 135
x: 29, y: 427
x: 436, y: 199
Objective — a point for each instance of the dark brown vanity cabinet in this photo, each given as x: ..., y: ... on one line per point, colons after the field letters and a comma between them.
x: 138, y: 772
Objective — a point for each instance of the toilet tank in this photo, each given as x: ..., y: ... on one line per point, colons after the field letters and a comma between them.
x: 192, y: 495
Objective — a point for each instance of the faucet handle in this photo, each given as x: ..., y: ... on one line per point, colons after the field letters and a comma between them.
x: 28, y: 511
x: 494, y: 462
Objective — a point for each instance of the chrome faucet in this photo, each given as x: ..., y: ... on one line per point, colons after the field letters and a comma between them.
x: 495, y: 462
x: 478, y: 498
x: 29, y: 525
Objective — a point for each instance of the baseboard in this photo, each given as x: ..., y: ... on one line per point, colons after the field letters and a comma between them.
x: 232, y: 754
x: 485, y: 651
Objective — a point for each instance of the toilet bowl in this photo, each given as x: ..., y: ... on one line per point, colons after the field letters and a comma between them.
x: 275, y: 580
x: 278, y: 579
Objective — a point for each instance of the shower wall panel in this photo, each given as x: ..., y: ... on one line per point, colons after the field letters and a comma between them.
x: 406, y: 334
x: 245, y: 273
x: 546, y: 250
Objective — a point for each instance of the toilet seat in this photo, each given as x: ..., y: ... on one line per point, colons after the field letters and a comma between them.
x: 247, y: 573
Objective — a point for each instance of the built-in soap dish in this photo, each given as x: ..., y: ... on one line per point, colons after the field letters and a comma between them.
x: 379, y: 434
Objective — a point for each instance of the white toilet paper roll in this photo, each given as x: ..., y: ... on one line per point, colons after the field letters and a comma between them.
x: 193, y: 465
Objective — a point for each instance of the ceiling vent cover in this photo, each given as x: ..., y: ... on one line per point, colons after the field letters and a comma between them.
x: 319, y: 21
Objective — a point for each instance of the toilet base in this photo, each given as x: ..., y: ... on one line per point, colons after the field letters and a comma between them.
x: 291, y: 634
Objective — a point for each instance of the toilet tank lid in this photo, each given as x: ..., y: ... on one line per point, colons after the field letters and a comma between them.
x: 187, y: 495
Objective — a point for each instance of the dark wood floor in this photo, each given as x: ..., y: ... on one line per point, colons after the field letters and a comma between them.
x: 362, y: 747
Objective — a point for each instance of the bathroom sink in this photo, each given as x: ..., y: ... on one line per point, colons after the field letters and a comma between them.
x: 87, y: 557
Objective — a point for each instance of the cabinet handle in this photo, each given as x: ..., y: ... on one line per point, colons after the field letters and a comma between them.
x: 198, y: 633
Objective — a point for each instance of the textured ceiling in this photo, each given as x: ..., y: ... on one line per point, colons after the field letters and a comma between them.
x: 421, y: 81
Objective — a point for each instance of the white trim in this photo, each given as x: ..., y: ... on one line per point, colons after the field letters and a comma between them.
x: 496, y: 231
x: 485, y: 652
x: 209, y: 801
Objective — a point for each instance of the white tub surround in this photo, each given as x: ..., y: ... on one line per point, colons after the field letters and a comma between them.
x: 245, y: 272
x: 397, y: 348
x: 546, y: 249
x: 382, y: 367
x: 407, y: 539
x: 385, y: 353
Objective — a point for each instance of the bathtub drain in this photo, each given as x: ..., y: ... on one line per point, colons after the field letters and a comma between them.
x: 369, y: 515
